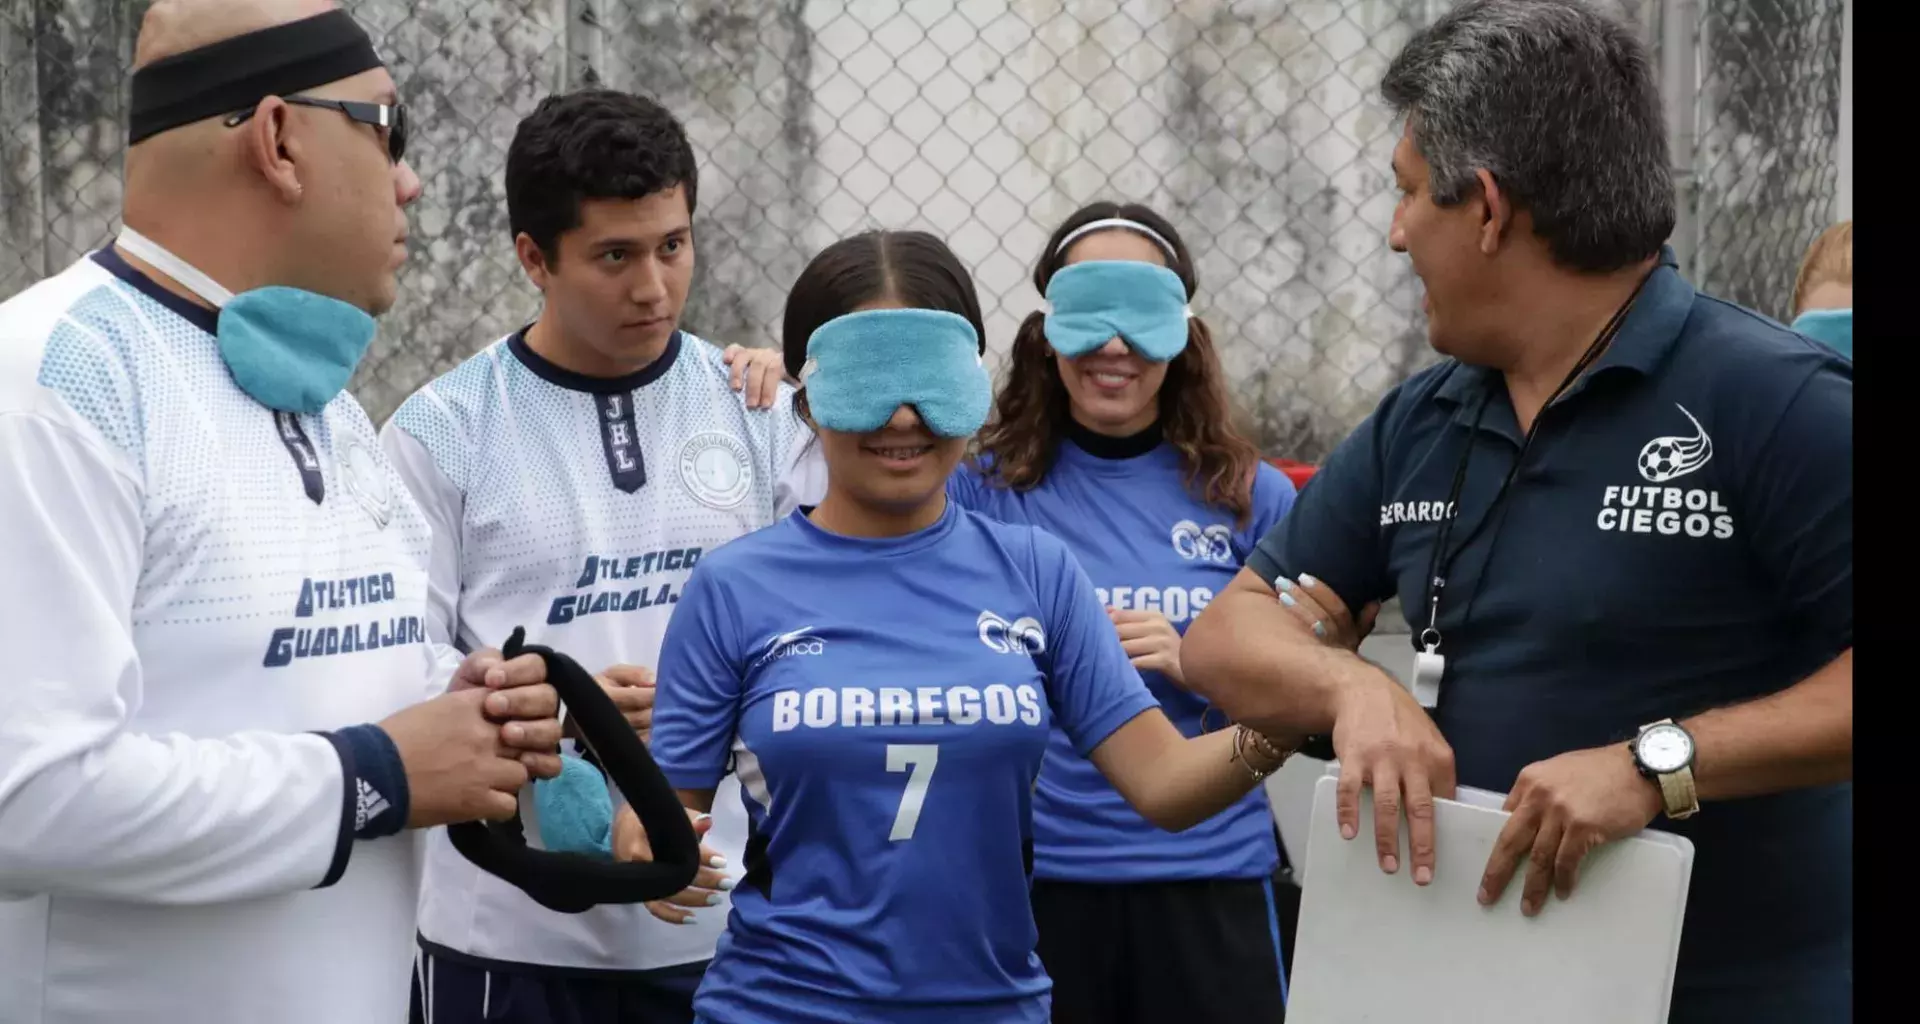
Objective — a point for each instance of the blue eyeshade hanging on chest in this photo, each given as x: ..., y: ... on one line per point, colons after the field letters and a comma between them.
x: 292, y: 350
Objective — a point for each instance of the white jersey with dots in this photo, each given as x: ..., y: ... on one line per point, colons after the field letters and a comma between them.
x: 576, y: 507
x: 193, y: 586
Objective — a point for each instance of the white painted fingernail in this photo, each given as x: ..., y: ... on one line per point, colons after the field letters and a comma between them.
x: 1283, y: 584
x: 703, y: 817
x: 687, y: 919
x: 1307, y: 581
x: 716, y: 861
x: 726, y: 885
x: 714, y: 899
x: 1320, y: 630
x: 1287, y: 599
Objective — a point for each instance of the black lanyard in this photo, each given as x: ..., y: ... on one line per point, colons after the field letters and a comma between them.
x: 1442, y: 561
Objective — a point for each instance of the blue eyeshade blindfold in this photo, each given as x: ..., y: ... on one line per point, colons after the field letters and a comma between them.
x: 1095, y: 301
x: 863, y: 366
x: 1834, y: 327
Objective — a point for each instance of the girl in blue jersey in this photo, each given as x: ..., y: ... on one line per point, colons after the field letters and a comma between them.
x: 884, y: 670
x: 1113, y: 432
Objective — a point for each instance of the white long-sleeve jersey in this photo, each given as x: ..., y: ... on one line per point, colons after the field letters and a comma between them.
x: 577, y: 507
x: 192, y: 589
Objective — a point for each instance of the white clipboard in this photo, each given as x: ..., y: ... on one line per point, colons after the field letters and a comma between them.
x: 1375, y: 947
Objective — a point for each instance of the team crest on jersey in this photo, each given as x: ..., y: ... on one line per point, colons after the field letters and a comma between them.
x: 367, y: 483
x: 1661, y: 507
x: 716, y: 469
x: 1021, y: 636
x: 1213, y: 543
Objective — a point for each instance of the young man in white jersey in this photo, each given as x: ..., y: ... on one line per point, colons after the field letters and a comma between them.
x: 222, y: 711
x: 575, y: 471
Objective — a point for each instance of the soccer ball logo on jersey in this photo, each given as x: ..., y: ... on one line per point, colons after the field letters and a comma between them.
x: 1670, y: 458
x: 1193, y: 542
x: 1021, y: 636
x: 1670, y: 511
x: 716, y: 468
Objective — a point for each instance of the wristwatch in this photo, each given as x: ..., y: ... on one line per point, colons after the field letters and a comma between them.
x: 1663, y: 752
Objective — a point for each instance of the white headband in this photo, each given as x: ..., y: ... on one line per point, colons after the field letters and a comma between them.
x: 1114, y: 222
x: 1117, y: 222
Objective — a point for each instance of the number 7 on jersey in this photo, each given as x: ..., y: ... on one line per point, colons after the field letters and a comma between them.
x: 918, y: 759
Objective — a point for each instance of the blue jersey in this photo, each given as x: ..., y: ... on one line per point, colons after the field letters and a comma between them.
x: 1148, y: 545
x: 886, y: 704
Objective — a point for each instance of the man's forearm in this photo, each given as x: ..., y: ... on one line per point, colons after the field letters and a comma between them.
x: 1258, y: 664
x: 1799, y: 737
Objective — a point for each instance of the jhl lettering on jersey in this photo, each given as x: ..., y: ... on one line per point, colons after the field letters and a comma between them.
x: 1669, y: 511
x: 605, y: 570
x: 290, y: 643
x: 1178, y: 604
x: 854, y: 706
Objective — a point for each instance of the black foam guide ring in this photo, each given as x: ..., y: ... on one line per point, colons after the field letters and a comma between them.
x: 571, y: 883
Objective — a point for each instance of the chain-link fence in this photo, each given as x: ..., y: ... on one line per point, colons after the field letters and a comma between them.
x: 1764, y: 166
x: 1254, y: 125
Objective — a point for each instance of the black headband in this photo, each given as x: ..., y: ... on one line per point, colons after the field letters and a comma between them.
x: 235, y: 74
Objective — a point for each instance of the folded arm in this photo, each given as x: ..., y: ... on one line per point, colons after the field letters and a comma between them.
x: 1263, y: 666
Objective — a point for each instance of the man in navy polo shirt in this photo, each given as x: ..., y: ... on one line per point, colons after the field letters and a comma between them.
x: 1619, y: 518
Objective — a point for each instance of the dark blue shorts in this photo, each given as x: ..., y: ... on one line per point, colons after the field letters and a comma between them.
x: 1191, y: 952
x: 460, y: 991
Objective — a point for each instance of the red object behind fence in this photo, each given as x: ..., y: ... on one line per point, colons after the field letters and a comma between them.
x: 1298, y: 472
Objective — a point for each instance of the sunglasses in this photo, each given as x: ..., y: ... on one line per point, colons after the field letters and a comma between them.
x: 392, y: 117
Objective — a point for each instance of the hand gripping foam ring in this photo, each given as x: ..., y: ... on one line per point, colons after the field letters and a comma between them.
x: 571, y: 883
x: 1096, y: 301
x: 862, y: 366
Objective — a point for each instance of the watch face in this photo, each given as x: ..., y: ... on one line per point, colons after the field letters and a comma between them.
x: 1665, y: 748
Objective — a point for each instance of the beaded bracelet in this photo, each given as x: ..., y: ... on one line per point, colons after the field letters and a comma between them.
x: 1242, y: 737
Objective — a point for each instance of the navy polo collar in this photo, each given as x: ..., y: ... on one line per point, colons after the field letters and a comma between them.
x: 1646, y: 336
x: 1653, y: 324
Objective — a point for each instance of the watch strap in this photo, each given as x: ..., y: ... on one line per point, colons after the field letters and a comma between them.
x: 1678, y: 793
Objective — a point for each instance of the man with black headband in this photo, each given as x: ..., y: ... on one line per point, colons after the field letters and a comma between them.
x: 223, y: 713
x: 1619, y: 520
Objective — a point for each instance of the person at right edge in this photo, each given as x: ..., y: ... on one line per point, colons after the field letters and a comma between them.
x: 1641, y: 604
